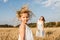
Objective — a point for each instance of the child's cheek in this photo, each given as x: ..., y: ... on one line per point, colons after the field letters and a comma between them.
x: 23, y: 19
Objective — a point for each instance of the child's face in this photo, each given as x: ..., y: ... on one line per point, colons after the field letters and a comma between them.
x: 24, y: 18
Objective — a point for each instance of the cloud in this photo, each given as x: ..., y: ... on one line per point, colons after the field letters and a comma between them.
x: 52, y: 3
x: 5, y: 1
x: 49, y: 3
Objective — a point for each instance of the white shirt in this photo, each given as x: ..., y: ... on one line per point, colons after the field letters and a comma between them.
x: 28, y: 34
x: 39, y: 25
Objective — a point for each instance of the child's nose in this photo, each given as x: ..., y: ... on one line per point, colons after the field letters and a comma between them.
x: 25, y: 18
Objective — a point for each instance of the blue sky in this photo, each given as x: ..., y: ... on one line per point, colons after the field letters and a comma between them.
x: 50, y: 9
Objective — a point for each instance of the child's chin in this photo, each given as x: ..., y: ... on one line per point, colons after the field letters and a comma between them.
x: 26, y: 22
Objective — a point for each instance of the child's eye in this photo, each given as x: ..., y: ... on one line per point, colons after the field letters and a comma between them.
x: 23, y: 17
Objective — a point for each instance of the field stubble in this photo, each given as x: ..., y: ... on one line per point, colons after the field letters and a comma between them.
x: 12, y: 34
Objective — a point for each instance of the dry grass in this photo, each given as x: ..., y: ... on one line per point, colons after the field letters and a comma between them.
x: 50, y: 34
x: 12, y: 34
x: 8, y: 33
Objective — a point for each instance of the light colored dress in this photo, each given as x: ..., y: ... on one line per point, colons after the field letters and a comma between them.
x: 28, y: 34
x: 39, y: 31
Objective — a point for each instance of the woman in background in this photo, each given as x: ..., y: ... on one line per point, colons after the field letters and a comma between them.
x: 40, y: 27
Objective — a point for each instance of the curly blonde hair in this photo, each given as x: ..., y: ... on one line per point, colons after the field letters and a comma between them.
x: 24, y: 9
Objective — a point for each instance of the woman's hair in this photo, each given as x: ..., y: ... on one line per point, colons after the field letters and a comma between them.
x: 24, y: 10
x: 43, y: 18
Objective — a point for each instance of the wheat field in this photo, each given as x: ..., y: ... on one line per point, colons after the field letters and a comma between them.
x: 12, y: 34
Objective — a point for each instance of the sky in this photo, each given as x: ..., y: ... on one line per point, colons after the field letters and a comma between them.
x: 50, y: 9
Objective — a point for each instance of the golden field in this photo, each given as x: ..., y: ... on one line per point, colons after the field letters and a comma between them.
x: 12, y: 34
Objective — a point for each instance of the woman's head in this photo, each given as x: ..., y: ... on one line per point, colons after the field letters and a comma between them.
x: 42, y: 18
x: 24, y: 14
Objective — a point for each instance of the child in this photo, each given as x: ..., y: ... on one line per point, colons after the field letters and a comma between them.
x: 40, y: 27
x: 25, y: 32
